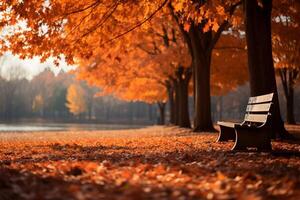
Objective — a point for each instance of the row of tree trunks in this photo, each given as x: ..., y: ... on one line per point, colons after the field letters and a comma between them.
x: 178, y: 96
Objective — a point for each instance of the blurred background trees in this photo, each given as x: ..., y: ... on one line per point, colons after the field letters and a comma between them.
x: 45, y: 97
x: 63, y: 98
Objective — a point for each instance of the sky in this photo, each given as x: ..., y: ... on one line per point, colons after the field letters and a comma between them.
x: 29, y: 67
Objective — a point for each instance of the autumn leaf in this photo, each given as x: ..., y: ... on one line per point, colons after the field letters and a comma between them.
x: 187, y: 26
x: 215, y: 26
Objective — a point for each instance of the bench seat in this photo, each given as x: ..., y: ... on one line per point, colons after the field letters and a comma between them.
x: 227, y: 124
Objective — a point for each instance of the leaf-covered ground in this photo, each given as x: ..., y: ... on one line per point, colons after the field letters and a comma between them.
x: 149, y: 163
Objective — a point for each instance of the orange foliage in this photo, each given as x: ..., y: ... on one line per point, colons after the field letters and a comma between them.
x: 76, y: 99
x: 89, y: 33
x: 72, y: 28
x: 137, y: 69
x: 285, y: 35
x: 229, y: 64
x: 211, y: 14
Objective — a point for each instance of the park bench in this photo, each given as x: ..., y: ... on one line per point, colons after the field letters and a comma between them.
x: 255, y: 130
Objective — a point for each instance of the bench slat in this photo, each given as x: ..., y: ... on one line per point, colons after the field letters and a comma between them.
x: 261, y: 98
x: 264, y: 107
x: 256, y: 118
x: 227, y: 124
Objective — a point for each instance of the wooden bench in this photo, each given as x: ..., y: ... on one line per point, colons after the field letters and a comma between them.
x: 255, y: 130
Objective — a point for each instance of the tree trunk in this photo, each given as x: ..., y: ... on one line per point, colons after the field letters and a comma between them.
x: 202, y: 119
x: 287, y: 77
x: 260, y: 60
x: 176, y: 102
x: 220, y: 105
x: 201, y: 64
x: 150, y: 115
x: 183, y: 83
x: 290, y: 107
x: 90, y: 110
x: 161, y: 108
x: 107, y: 114
x: 200, y: 45
x: 290, y: 98
x: 172, y: 108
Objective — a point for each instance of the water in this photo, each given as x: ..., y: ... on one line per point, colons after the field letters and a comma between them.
x: 25, y: 127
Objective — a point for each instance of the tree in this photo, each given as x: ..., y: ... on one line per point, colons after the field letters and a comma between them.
x: 76, y: 100
x: 155, y: 55
x: 59, y: 102
x: 148, y: 91
x: 260, y: 60
x: 38, y: 104
x: 202, y: 24
x: 14, y: 78
x: 286, y: 48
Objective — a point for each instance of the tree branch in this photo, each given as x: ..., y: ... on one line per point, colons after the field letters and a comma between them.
x: 223, y: 26
x: 217, y: 35
x: 81, y: 20
x: 282, y: 73
x: 97, y: 2
x: 183, y: 32
x: 146, y: 50
x: 106, y: 16
x: 137, y: 25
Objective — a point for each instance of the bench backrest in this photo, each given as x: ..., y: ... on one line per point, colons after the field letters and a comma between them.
x: 258, y: 109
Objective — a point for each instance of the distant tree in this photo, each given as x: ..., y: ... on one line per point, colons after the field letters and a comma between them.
x: 90, y: 97
x: 38, y: 104
x: 76, y: 101
x: 59, y: 100
x: 13, y: 78
x: 286, y: 53
x: 43, y: 84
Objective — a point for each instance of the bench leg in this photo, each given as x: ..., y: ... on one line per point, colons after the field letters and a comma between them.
x: 226, y: 133
x: 259, y: 139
